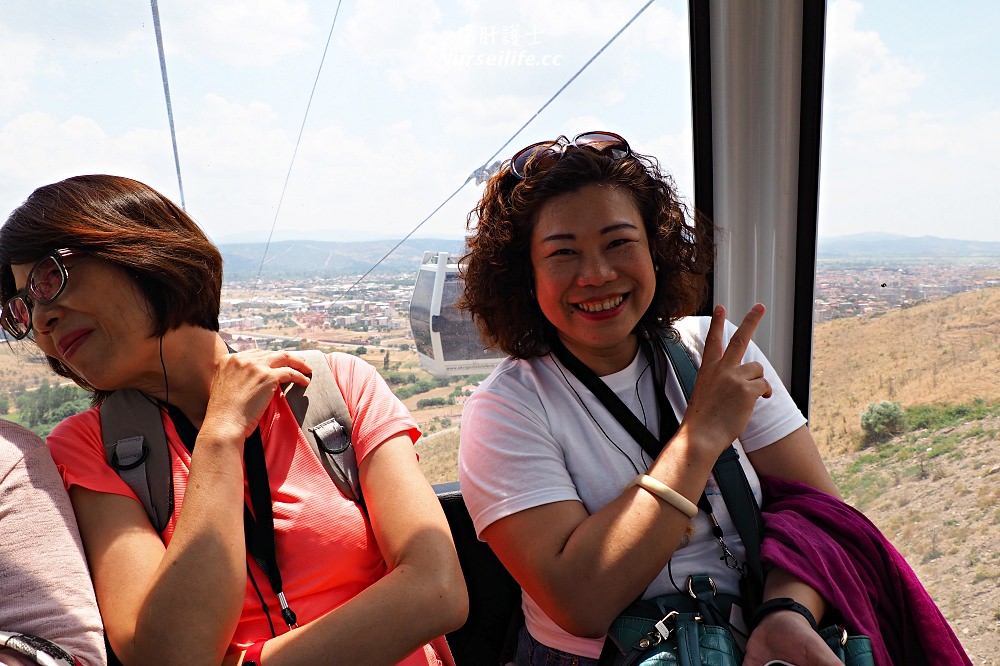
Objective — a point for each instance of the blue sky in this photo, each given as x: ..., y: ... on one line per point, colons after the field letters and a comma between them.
x: 413, y: 96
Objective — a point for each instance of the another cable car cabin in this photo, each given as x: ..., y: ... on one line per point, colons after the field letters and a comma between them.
x: 447, y: 341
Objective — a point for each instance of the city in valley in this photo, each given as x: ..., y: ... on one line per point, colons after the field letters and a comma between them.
x: 371, y: 319
x: 328, y: 311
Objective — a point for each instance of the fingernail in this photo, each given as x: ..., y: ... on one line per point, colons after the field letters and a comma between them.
x: 719, y: 311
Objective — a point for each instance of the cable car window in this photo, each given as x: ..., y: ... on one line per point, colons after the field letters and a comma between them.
x: 904, y: 394
x: 459, y: 337
x: 420, y: 315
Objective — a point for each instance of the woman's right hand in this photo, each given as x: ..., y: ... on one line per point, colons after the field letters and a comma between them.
x: 727, y: 388
x: 244, y: 385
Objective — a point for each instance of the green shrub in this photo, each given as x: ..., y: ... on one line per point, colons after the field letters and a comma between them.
x: 418, y: 386
x: 430, y: 402
x: 880, y: 421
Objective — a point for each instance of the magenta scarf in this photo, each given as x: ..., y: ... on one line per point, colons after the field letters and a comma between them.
x: 841, y: 554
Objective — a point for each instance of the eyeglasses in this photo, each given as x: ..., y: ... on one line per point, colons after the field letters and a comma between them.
x: 547, y: 153
x: 46, y: 281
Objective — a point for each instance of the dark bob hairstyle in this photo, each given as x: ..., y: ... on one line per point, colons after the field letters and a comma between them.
x: 124, y: 222
x: 497, y: 267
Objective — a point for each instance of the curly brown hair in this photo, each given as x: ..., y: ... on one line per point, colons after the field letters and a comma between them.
x: 497, y: 267
x: 129, y: 224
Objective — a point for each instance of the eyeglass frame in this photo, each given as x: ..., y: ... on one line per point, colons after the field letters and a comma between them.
x: 563, y: 144
x: 25, y: 294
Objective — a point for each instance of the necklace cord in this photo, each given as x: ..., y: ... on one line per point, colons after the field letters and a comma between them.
x: 640, y: 433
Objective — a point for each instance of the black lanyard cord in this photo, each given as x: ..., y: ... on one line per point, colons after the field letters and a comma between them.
x: 258, y: 525
x: 657, y: 358
x: 637, y: 429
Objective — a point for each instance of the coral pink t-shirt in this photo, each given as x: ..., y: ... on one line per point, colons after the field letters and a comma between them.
x: 326, y: 551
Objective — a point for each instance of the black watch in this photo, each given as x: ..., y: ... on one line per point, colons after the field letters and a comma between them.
x: 780, y: 604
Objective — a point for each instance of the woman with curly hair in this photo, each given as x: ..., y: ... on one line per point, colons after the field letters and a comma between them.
x: 582, y: 253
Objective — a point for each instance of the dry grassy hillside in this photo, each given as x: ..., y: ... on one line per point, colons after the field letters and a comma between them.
x: 936, y: 496
x: 942, y: 351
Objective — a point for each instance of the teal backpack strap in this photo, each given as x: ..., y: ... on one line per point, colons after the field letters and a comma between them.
x: 733, y: 482
x: 682, y: 364
x: 136, y: 447
x: 322, y: 413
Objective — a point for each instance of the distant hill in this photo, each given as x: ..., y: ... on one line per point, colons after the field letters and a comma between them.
x: 879, y: 245
x: 307, y: 258
x: 316, y: 258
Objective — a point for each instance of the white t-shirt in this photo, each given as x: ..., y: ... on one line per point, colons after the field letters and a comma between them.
x: 532, y: 434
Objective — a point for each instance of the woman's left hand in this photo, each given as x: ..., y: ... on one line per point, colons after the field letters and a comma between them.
x: 788, y: 636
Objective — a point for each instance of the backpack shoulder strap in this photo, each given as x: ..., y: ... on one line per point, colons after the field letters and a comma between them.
x: 135, y: 444
x: 322, y: 413
x: 682, y: 364
x: 733, y: 482
x: 136, y: 448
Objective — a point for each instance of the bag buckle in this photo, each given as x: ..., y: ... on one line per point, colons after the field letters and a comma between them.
x: 660, y: 633
x: 702, y: 581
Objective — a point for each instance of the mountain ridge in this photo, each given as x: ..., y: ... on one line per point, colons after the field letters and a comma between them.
x: 317, y: 258
x: 306, y: 258
x: 882, y: 245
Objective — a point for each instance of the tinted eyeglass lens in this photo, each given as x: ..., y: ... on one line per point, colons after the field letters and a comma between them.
x: 16, y: 317
x: 535, y: 155
x: 603, y: 142
x: 46, y: 280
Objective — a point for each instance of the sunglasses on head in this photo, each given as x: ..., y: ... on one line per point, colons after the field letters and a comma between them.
x: 46, y: 281
x: 544, y: 154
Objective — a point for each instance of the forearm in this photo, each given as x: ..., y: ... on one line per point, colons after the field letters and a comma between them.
x: 196, y: 596
x: 621, y: 548
x: 781, y: 583
x: 405, y: 610
x: 787, y: 633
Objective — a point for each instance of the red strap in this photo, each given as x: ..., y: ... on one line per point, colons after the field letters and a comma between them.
x: 252, y: 656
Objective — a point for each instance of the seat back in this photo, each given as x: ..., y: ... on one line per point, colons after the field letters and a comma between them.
x: 487, y: 637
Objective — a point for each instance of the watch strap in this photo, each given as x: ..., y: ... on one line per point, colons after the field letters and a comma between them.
x: 780, y: 604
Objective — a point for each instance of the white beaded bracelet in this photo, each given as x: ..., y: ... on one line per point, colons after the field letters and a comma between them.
x: 667, y: 494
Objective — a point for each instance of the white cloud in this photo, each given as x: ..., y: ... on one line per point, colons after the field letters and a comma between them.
x: 242, y: 33
x: 20, y: 58
x: 862, y: 74
x: 510, y: 56
x: 36, y: 149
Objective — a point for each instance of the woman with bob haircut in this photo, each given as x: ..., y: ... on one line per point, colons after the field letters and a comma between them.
x: 119, y: 289
x: 583, y: 248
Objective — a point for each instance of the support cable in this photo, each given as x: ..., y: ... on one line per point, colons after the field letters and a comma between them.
x: 486, y: 169
x: 166, y: 95
x: 295, y: 152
